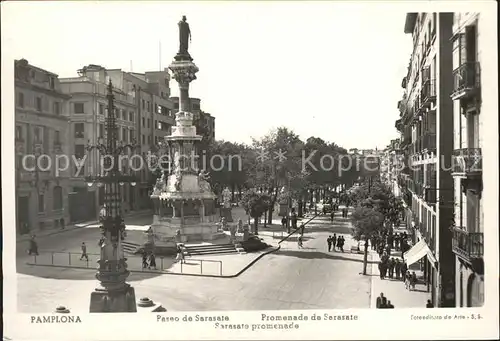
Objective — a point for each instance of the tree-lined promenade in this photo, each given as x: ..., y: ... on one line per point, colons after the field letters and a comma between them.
x: 280, y: 168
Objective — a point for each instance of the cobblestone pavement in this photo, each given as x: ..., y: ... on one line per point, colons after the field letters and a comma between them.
x: 292, y: 278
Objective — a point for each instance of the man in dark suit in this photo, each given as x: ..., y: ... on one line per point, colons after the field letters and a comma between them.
x: 381, y: 301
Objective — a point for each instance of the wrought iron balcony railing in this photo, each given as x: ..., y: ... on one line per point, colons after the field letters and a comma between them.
x: 466, y: 80
x: 429, y: 142
x: 428, y: 92
x: 467, y: 245
x: 467, y: 162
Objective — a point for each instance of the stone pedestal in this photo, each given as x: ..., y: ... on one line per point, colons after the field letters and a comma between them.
x: 226, y: 212
x: 113, y: 301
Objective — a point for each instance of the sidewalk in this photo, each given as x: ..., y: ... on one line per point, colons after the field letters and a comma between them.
x: 395, y: 290
x: 49, y: 232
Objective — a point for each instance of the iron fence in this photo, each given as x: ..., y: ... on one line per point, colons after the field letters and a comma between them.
x: 163, y: 264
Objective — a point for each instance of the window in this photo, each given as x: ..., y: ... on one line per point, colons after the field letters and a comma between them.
x: 470, y: 40
x: 19, y: 133
x: 79, y: 130
x: 41, y: 203
x: 57, y: 198
x: 143, y: 139
x: 101, y: 130
x: 57, y: 108
x: 148, y: 106
x: 131, y: 134
x: 101, y: 109
x: 79, y: 108
x: 117, y: 113
x: 57, y: 137
x: 143, y: 104
x: 159, y: 109
x: 131, y: 116
x: 149, y: 139
x: 157, y: 126
x: 79, y: 151
x: 124, y: 115
x: 149, y: 123
x: 143, y: 122
x: 39, y: 103
x: 124, y: 135
x: 162, y: 94
x: 38, y: 134
x: 52, y: 82
x: 20, y: 100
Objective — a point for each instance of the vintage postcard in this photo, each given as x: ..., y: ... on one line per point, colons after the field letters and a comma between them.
x: 249, y: 170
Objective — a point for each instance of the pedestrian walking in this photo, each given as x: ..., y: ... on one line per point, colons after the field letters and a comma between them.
x: 283, y: 222
x: 334, y: 241
x: 329, y: 242
x: 407, y: 280
x: 145, y: 260
x: 33, y: 246
x: 332, y: 215
x: 84, y: 252
x: 180, y: 254
x: 397, y: 268
x: 152, y: 261
x: 380, y: 269
x: 413, y: 280
x: 429, y: 304
x: 404, y: 270
x: 299, y: 242
x: 342, y: 241
x: 392, y: 265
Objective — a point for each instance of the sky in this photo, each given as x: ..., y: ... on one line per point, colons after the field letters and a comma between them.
x: 330, y: 70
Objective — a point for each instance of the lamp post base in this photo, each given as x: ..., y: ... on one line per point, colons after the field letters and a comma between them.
x: 113, y: 301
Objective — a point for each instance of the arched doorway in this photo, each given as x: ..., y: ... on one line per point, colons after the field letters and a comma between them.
x: 475, y: 291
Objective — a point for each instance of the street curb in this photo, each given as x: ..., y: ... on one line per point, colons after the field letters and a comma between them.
x: 170, y: 273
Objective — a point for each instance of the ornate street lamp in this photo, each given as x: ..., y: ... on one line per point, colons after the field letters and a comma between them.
x: 113, y: 294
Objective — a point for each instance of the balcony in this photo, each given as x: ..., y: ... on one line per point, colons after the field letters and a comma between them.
x: 468, y: 246
x: 428, y: 93
x: 467, y: 162
x: 466, y: 80
x: 429, y: 142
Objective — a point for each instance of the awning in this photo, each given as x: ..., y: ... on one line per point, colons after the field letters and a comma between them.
x: 419, y: 251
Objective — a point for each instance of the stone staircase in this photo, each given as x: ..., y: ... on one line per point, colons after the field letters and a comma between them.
x: 211, y: 249
x: 129, y: 247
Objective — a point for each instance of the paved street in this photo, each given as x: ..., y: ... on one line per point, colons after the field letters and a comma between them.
x: 70, y: 241
x: 291, y: 278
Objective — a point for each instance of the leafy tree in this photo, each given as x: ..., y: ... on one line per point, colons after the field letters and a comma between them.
x: 367, y: 222
x: 273, y: 172
x: 255, y: 204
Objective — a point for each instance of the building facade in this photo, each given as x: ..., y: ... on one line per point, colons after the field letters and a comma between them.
x: 144, y: 113
x: 426, y: 127
x: 41, y: 134
x: 468, y: 226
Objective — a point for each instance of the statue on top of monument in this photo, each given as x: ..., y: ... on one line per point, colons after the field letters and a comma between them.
x: 184, y: 38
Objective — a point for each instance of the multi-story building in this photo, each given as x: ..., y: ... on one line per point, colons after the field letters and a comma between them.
x: 143, y: 113
x: 426, y: 126
x: 41, y: 133
x: 468, y: 103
